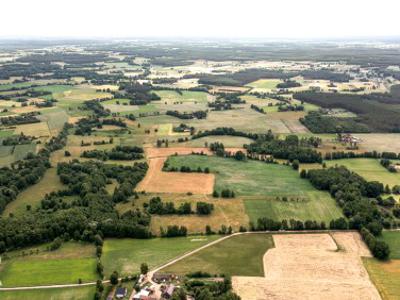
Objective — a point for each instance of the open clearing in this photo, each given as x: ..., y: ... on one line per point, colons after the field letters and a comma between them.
x: 249, y: 178
x: 35, y: 193
x: 314, y: 207
x: 310, y: 265
x: 187, y: 96
x: 76, y: 293
x: 71, y: 262
x: 36, y: 129
x: 229, y: 212
x: 368, y: 168
x: 380, y: 142
x: 393, y: 240
x: 238, y: 255
x: 157, y: 181
x: 258, y: 184
x: 385, y: 276
x: 126, y: 255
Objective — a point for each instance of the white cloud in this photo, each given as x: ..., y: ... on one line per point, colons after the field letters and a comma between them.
x: 199, y: 18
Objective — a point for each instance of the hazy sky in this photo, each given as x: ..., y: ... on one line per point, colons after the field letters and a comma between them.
x: 200, y: 18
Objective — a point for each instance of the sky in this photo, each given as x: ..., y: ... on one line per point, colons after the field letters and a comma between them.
x: 296, y: 19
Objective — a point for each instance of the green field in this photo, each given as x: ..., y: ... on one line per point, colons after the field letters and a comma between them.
x: 76, y: 293
x: 313, y: 207
x: 6, y: 133
x: 187, y: 96
x: 240, y: 255
x: 35, y: 193
x: 248, y: 178
x: 126, y: 255
x: 55, y: 118
x: 368, y: 168
x: 9, y: 154
x: 385, y: 276
x: 71, y: 262
x: 259, y: 183
x: 393, y: 239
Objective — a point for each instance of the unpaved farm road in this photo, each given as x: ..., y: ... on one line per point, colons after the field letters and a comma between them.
x: 151, y: 273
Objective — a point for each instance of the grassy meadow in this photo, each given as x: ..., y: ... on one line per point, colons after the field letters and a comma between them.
x: 68, y: 264
x: 258, y: 184
x: 76, y: 293
x: 393, y: 240
x: 240, y: 255
x: 35, y: 193
x: 126, y: 255
x: 385, y: 276
x: 368, y: 168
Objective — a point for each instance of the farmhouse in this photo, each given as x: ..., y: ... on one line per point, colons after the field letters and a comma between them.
x: 121, y: 292
x: 142, y: 294
x: 163, y: 277
x: 167, y: 294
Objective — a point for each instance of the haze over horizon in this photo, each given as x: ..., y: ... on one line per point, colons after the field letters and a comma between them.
x: 286, y: 19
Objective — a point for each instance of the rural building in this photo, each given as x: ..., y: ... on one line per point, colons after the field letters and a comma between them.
x: 163, y: 277
x: 142, y: 294
x: 121, y: 292
x: 168, y: 292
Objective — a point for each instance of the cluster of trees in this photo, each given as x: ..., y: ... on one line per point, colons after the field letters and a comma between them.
x: 90, y: 214
x: 316, y: 122
x: 68, y: 58
x: 325, y: 74
x: 225, y: 193
x: 26, y: 70
x: 138, y: 94
x: 288, y: 84
x: 225, y: 131
x: 173, y: 231
x: 371, y: 154
x: 265, y: 224
x: 225, y: 101
x: 206, y: 290
x: 242, y: 77
x: 185, y: 169
x: 375, y: 114
x: 25, y: 118
x: 84, y: 126
x: 379, y: 249
x: 17, y: 140
x: 25, y: 94
x: 21, y: 175
x: 97, y: 108
x: 26, y: 172
x: 386, y: 163
x: 290, y: 107
x: 257, y: 108
x: 182, y: 128
x: 157, y: 206
x: 291, y: 148
x: 354, y: 195
x: 117, y: 153
x: 200, y: 114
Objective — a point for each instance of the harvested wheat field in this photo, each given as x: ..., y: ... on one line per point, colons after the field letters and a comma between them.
x: 157, y: 181
x: 311, y: 266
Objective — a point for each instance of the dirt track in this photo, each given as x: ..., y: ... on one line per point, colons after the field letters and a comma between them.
x: 308, y: 266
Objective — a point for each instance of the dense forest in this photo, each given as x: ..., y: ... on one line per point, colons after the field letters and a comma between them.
x: 371, y: 110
